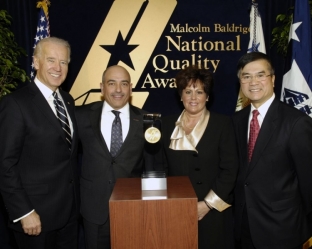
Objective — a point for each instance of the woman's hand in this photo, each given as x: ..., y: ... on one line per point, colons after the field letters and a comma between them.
x: 202, y: 209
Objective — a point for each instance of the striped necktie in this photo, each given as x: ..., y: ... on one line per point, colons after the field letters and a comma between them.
x: 62, y: 117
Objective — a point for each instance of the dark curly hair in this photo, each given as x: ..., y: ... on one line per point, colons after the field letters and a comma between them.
x: 190, y: 75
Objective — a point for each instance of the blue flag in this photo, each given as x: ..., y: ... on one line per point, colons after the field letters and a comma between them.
x: 43, y: 31
x: 297, y: 82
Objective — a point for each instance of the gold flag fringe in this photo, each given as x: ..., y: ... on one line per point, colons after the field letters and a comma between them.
x: 44, y: 4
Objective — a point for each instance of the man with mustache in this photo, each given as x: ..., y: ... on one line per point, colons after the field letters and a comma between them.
x: 102, y: 163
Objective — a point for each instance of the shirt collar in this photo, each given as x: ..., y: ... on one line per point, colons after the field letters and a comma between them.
x: 124, y: 110
x: 263, y: 109
x: 46, y: 91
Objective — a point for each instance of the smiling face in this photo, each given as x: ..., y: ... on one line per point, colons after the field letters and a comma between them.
x: 194, y: 98
x: 116, y: 87
x: 52, y: 64
x: 258, y: 91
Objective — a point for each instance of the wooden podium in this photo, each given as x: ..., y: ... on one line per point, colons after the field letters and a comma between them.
x: 153, y: 224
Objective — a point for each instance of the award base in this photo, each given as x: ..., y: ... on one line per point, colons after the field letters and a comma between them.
x: 154, y: 180
x: 154, y: 185
x: 154, y: 194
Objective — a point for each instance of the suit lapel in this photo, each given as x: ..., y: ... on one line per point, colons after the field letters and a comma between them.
x: 70, y: 112
x: 136, y: 123
x: 242, y: 128
x: 267, y: 130
x: 95, y: 119
x: 42, y: 104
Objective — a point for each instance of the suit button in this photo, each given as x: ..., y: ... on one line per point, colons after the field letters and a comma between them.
x: 197, y: 169
x: 246, y: 184
x: 71, y: 181
x: 199, y: 183
x: 113, y: 162
x: 109, y: 182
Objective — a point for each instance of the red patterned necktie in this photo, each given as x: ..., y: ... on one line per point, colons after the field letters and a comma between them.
x: 253, y: 133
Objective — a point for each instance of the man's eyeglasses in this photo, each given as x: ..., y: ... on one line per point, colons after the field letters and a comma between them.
x: 258, y: 77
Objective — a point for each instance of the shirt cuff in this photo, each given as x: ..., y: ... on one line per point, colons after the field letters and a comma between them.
x: 14, y: 221
x: 216, y: 202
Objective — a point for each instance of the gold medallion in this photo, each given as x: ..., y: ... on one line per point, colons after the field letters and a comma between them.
x: 152, y: 135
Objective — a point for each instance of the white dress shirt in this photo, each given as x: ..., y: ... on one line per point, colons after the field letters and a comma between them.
x: 107, y: 119
x: 263, y: 109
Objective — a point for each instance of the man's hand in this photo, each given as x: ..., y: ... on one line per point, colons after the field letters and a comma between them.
x: 31, y: 224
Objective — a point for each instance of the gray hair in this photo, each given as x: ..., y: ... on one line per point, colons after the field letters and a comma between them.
x: 38, y: 48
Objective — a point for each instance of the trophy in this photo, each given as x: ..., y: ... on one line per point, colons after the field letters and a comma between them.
x: 153, y: 183
x: 152, y: 127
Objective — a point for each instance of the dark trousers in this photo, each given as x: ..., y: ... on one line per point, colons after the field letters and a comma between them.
x: 97, y: 236
x: 7, y: 240
x: 246, y: 240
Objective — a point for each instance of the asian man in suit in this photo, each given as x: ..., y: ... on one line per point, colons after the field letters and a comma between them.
x: 38, y: 156
x: 273, y: 197
x: 103, y: 160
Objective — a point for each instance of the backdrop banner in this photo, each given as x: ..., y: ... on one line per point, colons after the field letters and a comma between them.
x: 153, y: 40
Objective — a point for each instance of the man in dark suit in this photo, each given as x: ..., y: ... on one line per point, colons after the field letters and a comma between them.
x: 38, y: 156
x: 273, y: 197
x: 100, y: 165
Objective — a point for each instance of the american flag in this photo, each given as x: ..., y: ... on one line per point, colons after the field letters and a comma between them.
x: 256, y: 42
x: 43, y: 31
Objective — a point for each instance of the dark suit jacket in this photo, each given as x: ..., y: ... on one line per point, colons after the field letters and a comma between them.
x: 99, y: 170
x: 37, y: 169
x: 276, y: 185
